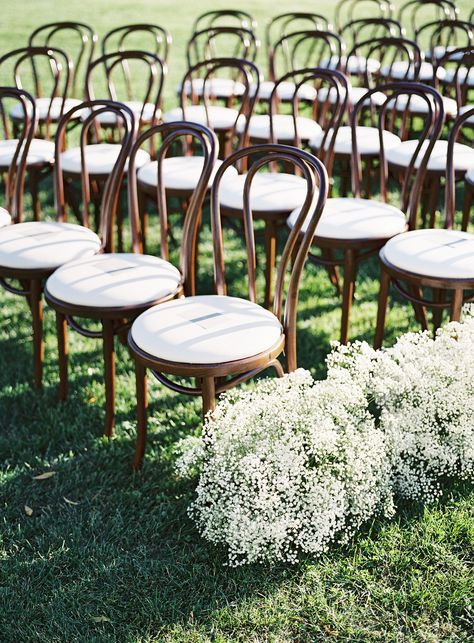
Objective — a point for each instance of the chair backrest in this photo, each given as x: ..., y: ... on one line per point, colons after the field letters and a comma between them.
x: 150, y: 73
x: 244, y: 71
x: 16, y: 171
x: 415, y: 172
x: 224, y: 17
x: 89, y: 111
x: 77, y: 38
x: 442, y: 36
x: 389, y: 53
x: 349, y: 10
x: 368, y: 28
x: 413, y: 13
x: 457, y: 67
x: 464, y: 120
x: 288, y: 279
x: 222, y: 42
x: 329, y: 113
x: 51, y: 79
x: 293, y: 21
x: 142, y: 36
x: 189, y: 134
x: 302, y: 49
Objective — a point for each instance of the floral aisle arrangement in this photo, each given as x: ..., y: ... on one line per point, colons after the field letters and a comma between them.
x: 293, y: 465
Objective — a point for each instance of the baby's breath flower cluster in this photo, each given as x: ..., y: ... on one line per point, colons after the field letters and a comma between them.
x: 293, y: 465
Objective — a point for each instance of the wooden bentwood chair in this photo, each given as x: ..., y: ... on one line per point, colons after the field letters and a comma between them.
x: 218, y: 339
x: 437, y: 259
x: 114, y: 288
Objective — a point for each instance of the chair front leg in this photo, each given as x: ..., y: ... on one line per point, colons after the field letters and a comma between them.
x: 109, y: 375
x: 456, y: 305
x: 382, y: 307
x: 142, y: 404
x: 208, y: 395
x: 270, y: 258
x: 347, y: 292
x: 36, y: 305
x: 61, y: 331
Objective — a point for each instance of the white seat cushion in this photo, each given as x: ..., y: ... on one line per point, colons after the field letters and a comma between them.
x: 39, y: 153
x: 111, y: 118
x: 112, y: 280
x: 402, y: 154
x: 283, y: 127
x: 219, y: 87
x: 436, y: 253
x: 464, y: 75
x: 402, y: 69
x: 367, y: 140
x: 464, y: 109
x: 417, y: 105
x: 353, y: 64
x: 355, y: 219
x: 179, y: 172
x: 285, y: 91
x: 269, y: 192
x: 219, y: 117
x: 206, y: 329
x: 100, y: 158
x: 470, y: 175
x: 45, y: 245
x: 5, y: 218
x: 354, y: 95
x: 42, y: 106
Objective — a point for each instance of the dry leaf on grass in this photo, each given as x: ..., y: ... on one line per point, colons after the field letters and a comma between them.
x: 70, y: 502
x: 28, y: 510
x: 45, y: 475
x: 101, y: 619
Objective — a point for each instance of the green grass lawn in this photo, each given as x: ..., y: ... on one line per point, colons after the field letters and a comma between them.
x: 110, y: 555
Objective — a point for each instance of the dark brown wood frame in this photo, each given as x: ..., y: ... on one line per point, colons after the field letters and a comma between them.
x: 212, y: 19
x: 351, y: 8
x: 115, y: 40
x: 445, y: 9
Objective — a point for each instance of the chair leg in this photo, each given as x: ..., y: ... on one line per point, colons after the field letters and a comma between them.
x: 433, y: 200
x: 456, y: 305
x: 438, y: 297
x: 33, y: 181
x: 420, y: 311
x: 382, y: 308
x: 109, y: 375
x: 466, y: 207
x: 61, y: 331
x: 142, y: 209
x: 270, y: 257
x: 347, y: 292
x: 142, y: 404
x: 208, y: 395
x: 36, y: 305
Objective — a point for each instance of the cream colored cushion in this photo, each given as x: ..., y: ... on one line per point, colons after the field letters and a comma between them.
x: 42, y: 106
x: 5, y: 218
x: 100, y: 158
x: 355, y: 64
x: 206, y: 329
x: 398, y: 70
x: 270, y: 191
x: 436, y: 253
x: 40, y: 152
x: 179, y: 172
x: 354, y: 95
x: 402, y: 154
x: 348, y: 218
x: 220, y: 87
x: 417, y: 105
x: 470, y: 175
x: 464, y: 75
x: 467, y: 108
x: 219, y: 117
x: 285, y: 91
x: 45, y: 245
x: 111, y: 280
x: 283, y: 127
x: 111, y: 118
x: 367, y: 140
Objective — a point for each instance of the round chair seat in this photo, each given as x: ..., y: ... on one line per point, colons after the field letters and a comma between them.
x: 218, y: 87
x: 354, y: 96
x: 403, y: 70
x: 352, y: 219
x: 40, y: 152
x: 179, y: 172
x: 100, y: 158
x: 283, y: 127
x: 44, y: 245
x: 463, y: 110
x: 444, y: 254
x: 417, y: 105
x: 111, y: 118
x: 222, y: 118
x: 5, y: 218
x: 269, y: 192
x: 209, y: 329
x: 352, y: 65
x: 464, y: 75
x: 285, y: 91
x: 114, y: 280
x: 42, y: 107
x: 368, y: 143
x: 402, y: 155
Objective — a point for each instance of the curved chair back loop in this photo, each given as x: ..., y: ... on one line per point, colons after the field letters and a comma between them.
x: 303, y: 49
x: 82, y: 34
x: 152, y: 81
x: 363, y: 29
x: 444, y: 36
x: 466, y: 118
x: 286, y: 23
x: 224, y: 17
x: 118, y: 39
x: 458, y: 67
x: 426, y: 139
x: 220, y: 42
x: 349, y: 10
x: 409, y: 12
x: 314, y: 173
x: 14, y: 184
x: 170, y: 133
x: 60, y: 71
x: 89, y: 111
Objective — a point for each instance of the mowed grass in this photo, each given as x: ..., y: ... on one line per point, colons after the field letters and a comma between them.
x: 110, y: 555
